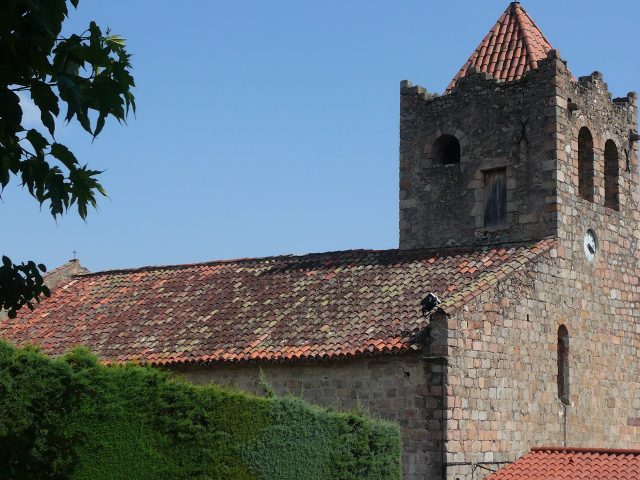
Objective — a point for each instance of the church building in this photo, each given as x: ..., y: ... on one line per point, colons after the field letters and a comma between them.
x: 507, y: 319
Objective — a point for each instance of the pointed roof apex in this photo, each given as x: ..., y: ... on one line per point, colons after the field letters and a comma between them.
x: 64, y: 273
x: 513, y: 47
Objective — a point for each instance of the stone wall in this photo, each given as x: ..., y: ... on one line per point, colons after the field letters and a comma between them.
x: 63, y: 273
x: 502, y: 391
x: 406, y: 389
x: 498, y: 125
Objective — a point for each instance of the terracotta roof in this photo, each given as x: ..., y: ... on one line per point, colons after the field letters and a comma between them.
x: 278, y: 308
x: 514, y: 46
x: 546, y: 463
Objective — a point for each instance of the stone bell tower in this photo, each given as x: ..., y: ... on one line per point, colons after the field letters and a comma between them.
x: 513, y: 147
x: 516, y: 150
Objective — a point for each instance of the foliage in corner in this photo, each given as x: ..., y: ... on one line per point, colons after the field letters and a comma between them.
x: 20, y: 285
x: 89, y: 74
x: 71, y: 418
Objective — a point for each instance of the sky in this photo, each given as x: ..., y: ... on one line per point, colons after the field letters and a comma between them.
x: 268, y: 128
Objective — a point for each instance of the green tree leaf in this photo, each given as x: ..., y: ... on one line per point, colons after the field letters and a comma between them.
x: 63, y: 154
x: 47, y: 101
x: 10, y: 111
x: 90, y: 74
x: 36, y: 139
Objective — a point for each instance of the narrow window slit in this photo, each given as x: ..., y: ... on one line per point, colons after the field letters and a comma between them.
x: 564, y: 380
x: 611, y: 176
x: 585, y: 164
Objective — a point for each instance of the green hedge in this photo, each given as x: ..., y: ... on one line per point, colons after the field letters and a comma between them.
x: 72, y: 418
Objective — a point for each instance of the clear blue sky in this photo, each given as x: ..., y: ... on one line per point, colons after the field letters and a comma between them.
x: 272, y: 127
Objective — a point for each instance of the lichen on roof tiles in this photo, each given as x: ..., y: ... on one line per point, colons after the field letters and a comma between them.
x: 263, y: 309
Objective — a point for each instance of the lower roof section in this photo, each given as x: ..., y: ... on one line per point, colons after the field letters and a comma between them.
x: 317, y: 306
x: 557, y: 463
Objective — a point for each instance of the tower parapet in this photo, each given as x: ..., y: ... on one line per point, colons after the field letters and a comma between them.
x: 500, y: 186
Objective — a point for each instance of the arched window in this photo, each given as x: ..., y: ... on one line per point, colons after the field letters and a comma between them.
x: 446, y: 150
x: 611, y: 169
x: 585, y: 164
x: 564, y: 379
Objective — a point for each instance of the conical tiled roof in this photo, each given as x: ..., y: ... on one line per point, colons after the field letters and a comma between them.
x: 514, y: 46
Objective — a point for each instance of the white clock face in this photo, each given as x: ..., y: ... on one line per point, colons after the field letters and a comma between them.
x: 590, y: 245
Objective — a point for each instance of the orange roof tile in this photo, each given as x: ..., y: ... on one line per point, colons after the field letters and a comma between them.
x: 514, y: 46
x: 316, y: 306
x: 548, y: 463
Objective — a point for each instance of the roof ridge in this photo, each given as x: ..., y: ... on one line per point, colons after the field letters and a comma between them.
x: 525, y: 34
x: 448, y: 251
x: 609, y: 451
x: 451, y: 304
x: 533, y: 23
x: 205, y: 263
x: 523, y: 16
